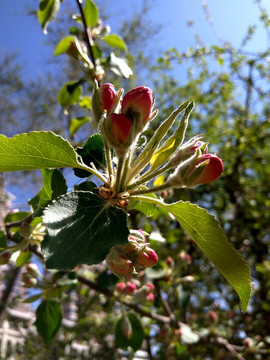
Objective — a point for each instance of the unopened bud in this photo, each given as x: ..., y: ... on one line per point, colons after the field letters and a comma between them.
x: 146, y: 258
x: 32, y: 269
x: 137, y: 105
x: 119, y: 264
x: 104, y: 98
x: 130, y: 288
x: 198, y: 169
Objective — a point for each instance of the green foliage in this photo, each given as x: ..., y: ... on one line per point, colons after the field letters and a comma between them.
x: 123, y: 340
x: 47, y: 11
x: 91, y: 152
x: 70, y: 93
x: 115, y: 41
x: 90, y: 13
x: 48, y: 319
x: 76, y: 223
x: 36, y: 150
x: 54, y: 185
x: 63, y: 45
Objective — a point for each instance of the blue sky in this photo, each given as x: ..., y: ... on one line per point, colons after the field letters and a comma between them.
x: 22, y: 34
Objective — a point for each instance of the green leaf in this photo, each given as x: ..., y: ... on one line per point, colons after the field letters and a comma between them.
x: 31, y: 299
x: 205, y: 230
x: 86, y: 102
x: 145, y: 207
x: 91, y: 152
x: 47, y: 11
x: 37, y: 150
x: 70, y: 93
x: 137, y: 334
x: 54, y: 185
x: 48, y: 319
x: 3, y: 240
x: 81, y: 229
x: 86, y: 186
x: 115, y: 41
x: 77, y: 123
x: 90, y: 13
x: 63, y: 46
x: 23, y: 258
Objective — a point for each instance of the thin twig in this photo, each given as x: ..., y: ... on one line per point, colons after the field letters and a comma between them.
x: 89, y: 40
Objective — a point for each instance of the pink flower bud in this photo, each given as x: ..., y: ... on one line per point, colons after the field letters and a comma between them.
x: 146, y: 258
x: 211, y: 170
x: 130, y: 288
x: 120, y: 286
x: 120, y: 126
x: 120, y: 265
x: 104, y: 98
x: 108, y: 97
x: 150, y: 286
x: 150, y: 297
x: 137, y: 104
x: 198, y: 145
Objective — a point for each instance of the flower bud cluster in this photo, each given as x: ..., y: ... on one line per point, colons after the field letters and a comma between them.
x: 30, y: 275
x: 125, y: 260
x: 120, y: 126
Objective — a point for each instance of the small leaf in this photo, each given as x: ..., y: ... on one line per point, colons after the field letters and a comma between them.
x: 92, y: 151
x: 86, y: 102
x: 70, y: 93
x: 63, y: 46
x: 47, y: 11
x: 90, y: 13
x: 86, y: 186
x: 81, y: 229
x: 115, y: 41
x: 23, y: 258
x: 137, y: 334
x: 48, y: 319
x: 77, y: 123
x: 37, y: 150
x: 54, y: 185
x: 31, y: 299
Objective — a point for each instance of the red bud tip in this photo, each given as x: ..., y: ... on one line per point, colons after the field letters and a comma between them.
x: 138, y: 100
x: 130, y: 288
x: 147, y: 258
x: 212, y: 169
x: 120, y: 126
x: 108, y: 97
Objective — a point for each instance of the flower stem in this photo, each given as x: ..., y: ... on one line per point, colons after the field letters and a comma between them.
x: 108, y: 158
x: 148, y: 176
x: 119, y: 173
x: 150, y: 190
